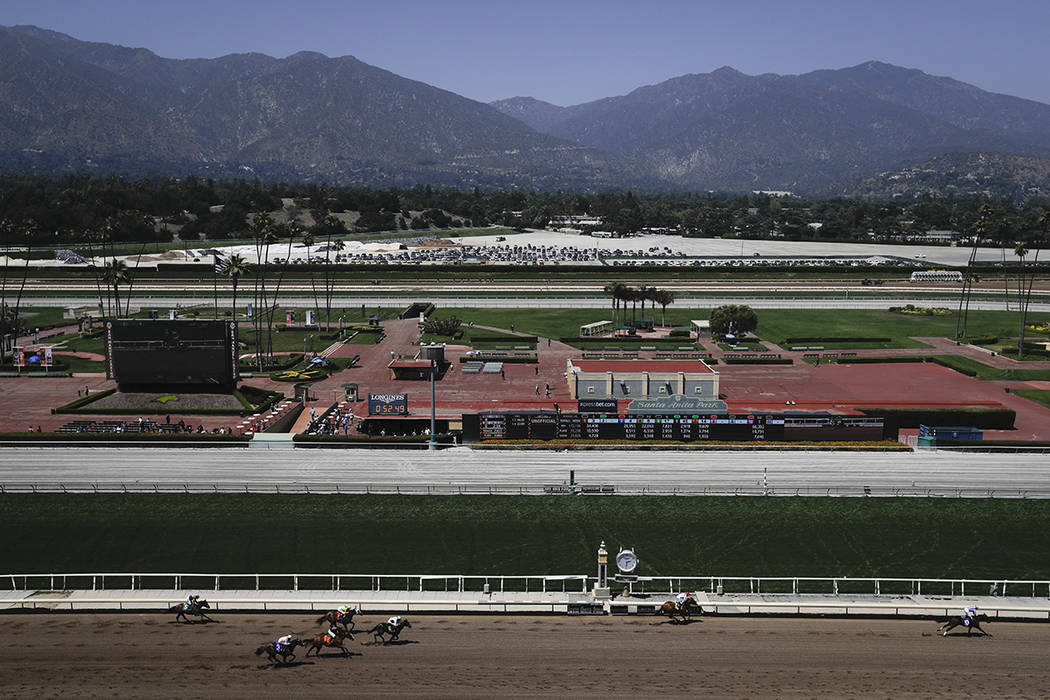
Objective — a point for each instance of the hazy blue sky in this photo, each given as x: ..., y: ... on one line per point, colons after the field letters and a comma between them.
x: 569, y: 52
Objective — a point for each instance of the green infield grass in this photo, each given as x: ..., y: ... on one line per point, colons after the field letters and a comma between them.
x: 775, y: 536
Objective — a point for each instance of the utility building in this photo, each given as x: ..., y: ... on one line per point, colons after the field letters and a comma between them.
x: 633, y: 379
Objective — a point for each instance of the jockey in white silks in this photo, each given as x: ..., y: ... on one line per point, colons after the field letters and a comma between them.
x: 682, y: 598
x: 284, y: 641
x: 394, y: 621
x: 969, y: 614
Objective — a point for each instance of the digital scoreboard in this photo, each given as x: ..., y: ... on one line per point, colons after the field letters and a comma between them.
x: 155, y: 354
x: 533, y: 425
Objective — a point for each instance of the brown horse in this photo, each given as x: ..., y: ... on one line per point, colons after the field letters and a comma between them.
x: 334, y: 617
x: 286, y: 652
x: 325, y: 640
x: 957, y: 621
x: 674, y: 611
x: 384, y: 628
x: 198, y: 607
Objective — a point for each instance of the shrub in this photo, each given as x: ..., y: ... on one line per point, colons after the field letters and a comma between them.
x: 837, y: 339
x: 757, y: 360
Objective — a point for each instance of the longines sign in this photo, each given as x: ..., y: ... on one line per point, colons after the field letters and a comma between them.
x: 677, y: 403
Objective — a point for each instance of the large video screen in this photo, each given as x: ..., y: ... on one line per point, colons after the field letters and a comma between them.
x: 159, y: 353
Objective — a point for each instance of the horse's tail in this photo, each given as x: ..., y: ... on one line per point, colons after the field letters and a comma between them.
x: 261, y: 650
x: 321, y: 619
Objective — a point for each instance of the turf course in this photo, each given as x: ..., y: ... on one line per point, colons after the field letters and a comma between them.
x: 525, y: 535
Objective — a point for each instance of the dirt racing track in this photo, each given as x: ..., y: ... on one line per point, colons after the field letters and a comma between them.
x: 132, y: 655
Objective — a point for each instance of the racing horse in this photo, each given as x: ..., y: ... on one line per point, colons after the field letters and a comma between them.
x: 286, y: 651
x: 384, y: 628
x: 184, y: 610
x: 326, y: 640
x: 334, y: 617
x: 957, y: 621
x: 673, y: 611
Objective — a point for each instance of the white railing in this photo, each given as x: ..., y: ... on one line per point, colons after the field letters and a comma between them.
x: 524, y: 489
x: 298, y: 582
x: 850, y: 606
x: 545, y: 583
x: 842, y: 585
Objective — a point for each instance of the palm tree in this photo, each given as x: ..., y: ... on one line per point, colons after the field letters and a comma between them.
x: 308, y: 240
x: 235, y: 266
x: 610, y: 289
x: 664, y: 297
x: 1021, y: 250
x: 115, y: 273
x: 262, y: 232
x: 331, y: 224
x: 620, y: 292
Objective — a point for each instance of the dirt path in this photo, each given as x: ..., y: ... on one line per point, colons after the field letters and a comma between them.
x: 50, y: 655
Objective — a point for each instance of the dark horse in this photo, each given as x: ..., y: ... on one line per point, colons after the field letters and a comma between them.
x: 384, y: 628
x: 286, y: 652
x: 674, y: 611
x: 334, y: 617
x: 957, y: 621
x: 325, y: 640
x: 197, y: 608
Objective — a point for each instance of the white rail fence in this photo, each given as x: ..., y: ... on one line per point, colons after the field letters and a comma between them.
x: 547, y: 583
x: 534, y: 489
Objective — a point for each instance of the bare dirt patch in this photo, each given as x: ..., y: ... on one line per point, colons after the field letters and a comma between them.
x: 462, y: 656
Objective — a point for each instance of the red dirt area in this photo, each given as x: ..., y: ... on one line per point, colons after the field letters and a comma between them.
x: 839, y: 388
x: 131, y: 655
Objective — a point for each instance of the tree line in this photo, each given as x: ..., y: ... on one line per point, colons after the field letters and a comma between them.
x: 71, y: 209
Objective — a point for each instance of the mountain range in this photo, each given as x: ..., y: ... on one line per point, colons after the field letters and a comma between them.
x: 71, y: 105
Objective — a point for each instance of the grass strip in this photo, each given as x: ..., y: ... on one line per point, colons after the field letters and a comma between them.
x: 959, y: 538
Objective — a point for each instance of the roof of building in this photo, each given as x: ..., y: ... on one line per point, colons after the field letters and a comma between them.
x: 410, y: 363
x: 651, y: 366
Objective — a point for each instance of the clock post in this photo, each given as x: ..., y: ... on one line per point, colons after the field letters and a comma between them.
x: 601, y: 589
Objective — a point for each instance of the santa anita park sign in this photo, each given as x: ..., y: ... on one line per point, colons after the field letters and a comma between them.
x: 677, y: 403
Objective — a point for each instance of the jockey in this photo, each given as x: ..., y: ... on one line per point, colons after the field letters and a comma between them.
x: 333, y: 633
x: 344, y: 611
x: 682, y: 598
x: 394, y: 621
x: 190, y: 601
x: 969, y: 614
x: 283, y: 642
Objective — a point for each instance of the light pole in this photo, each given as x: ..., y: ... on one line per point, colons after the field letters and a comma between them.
x: 432, y: 445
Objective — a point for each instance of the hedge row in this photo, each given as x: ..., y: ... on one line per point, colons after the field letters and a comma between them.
x: 415, y: 309
x: 987, y: 418
x: 286, y: 362
x: 52, y: 438
x: 983, y: 340
x: 1039, y: 445
x: 84, y: 400
x: 757, y: 360
x: 506, y: 359
x: 838, y: 339
x: 615, y: 340
x: 503, y: 338
x: 252, y: 400
x: 1034, y: 351
x: 402, y: 441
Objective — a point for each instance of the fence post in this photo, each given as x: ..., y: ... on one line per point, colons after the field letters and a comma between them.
x: 295, y: 582
x: 216, y: 582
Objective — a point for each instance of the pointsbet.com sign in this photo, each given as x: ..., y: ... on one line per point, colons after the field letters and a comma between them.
x: 388, y: 404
